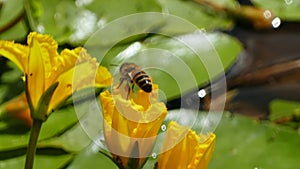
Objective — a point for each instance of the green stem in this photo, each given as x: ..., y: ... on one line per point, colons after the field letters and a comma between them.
x: 35, y: 131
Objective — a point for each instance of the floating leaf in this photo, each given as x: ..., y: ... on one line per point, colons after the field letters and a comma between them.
x: 91, y: 158
x: 245, y: 143
x: 182, y: 63
x: 41, y: 161
x: 285, y: 9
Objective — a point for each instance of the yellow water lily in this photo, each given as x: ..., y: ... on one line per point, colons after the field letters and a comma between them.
x: 131, y: 125
x: 43, y: 66
x: 183, y: 148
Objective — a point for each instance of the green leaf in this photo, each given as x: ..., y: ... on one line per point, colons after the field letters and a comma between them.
x: 91, y: 158
x: 41, y: 111
x: 285, y: 9
x: 41, y: 161
x: 196, y: 14
x: 12, y: 11
x: 283, y: 108
x: 73, y: 140
x: 182, y: 63
x: 245, y: 143
x: 56, y: 124
x: 285, y: 113
x: 74, y: 22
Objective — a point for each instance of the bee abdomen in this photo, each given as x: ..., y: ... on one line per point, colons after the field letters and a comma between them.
x: 143, y: 81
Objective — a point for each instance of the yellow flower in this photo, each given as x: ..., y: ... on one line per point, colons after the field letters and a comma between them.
x: 16, y: 110
x: 131, y: 125
x: 183, y: 148
x: 43, y: 66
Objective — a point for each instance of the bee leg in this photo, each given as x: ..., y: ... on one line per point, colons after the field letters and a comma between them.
x: 132, y: 87
x: 122, y: 80
x: 128, y: 91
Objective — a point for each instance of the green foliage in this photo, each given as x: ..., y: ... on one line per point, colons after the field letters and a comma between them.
x: 285, y: 113
x: 285, y: 9
x: 199, y: 65
x: 91, y: 158
x: 245, y: 143
x: 66, y: 139
x: 42, y: 161
x: 11, y: 11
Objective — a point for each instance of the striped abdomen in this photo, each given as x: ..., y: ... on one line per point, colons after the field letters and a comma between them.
x: 143, y: 81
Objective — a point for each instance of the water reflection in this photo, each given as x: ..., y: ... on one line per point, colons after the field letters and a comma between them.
x: 288, y: 2
x: 276, y: 22
x: 84, y: 25
x: 80, y: 3
x: 267, y: 14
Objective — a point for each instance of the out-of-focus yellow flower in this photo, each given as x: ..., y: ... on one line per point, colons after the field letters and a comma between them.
x: 183, y: 148
x: 44, y: 66
x: 16, y: 111
x: 131, y: 125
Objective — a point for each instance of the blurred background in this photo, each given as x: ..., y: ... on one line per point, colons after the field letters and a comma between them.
x: 258, y: 43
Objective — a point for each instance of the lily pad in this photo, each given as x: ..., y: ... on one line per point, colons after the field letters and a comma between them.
x: 56, y: 124
x: 41, y: 161
x: 91, y: 158
x: 12, y: 24
x: 75, y: 21
x: 285, y: 9
x: 182, y: 63
x: 245, y: 143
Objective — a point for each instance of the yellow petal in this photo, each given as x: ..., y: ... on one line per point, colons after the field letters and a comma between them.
x: 127, y: 123
x: 35, y: 72
x: 103, y: 77
x: 48, y: 45
x: 87, y: 75
x: 74, y: 76
x: 48, y: 48
x: 182, y: 148
x: 174, y: 137
x: 146, y: 99
x: 17, y: 53
x: 65, y: 61
x: 204, y: 152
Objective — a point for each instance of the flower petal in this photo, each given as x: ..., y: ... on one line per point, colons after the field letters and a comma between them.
x: 127, y: 123
x: 182, y: 148
x: 50, y: 56
x: 35, y: 72
x: 146, y: 99
x: 74, y: 70
x: 204, y: 151
x: 173, y: 141
x: 103, y: 77
x: 17, y: 53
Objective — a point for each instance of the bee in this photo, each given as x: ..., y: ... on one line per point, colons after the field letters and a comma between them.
x: 133, y: 74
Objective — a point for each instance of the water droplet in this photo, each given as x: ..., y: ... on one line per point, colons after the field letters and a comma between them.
x: 80, y: 3
x: 101, y: 23
x: 202, y: 30
x: 276, y: 22
x: 201, y: 93
x: 163, y: 127
x: 288, y: 2
x: 84, y: 25
x: 267, y: 14
x: 40, y: 28
x: 256, y: 167
x: 154, y: 155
